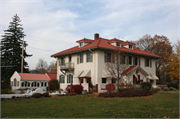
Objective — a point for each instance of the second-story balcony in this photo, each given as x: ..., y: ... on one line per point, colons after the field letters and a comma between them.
x: 67, y: 66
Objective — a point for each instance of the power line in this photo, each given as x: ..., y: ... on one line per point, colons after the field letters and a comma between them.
x: 41, y: 49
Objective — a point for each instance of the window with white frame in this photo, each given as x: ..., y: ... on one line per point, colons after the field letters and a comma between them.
x: 81, y: 44
x: 136, y: 61
x: 148, y: 62
x: 45, y: 84
x: 61, y: 79
x: 123, y: 59
x: 130, y: 60
x: 15, y: 81
x: 69, y: 78
x: 42, y: 84
x: 81, y: 58
x: 107, y: 57
x: 130, y: 46
x: 118, y: 44
x: 89, y: 57
x: 113, y: 80
x: 104, y: 80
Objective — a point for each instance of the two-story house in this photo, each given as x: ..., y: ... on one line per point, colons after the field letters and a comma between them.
x: 87, y: 61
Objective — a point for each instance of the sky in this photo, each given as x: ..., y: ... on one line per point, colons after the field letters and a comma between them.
x: 55, y: 25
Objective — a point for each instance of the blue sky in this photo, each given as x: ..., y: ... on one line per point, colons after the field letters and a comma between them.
x: 55, y: 25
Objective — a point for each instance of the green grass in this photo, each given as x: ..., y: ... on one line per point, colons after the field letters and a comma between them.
x: 89, y: 106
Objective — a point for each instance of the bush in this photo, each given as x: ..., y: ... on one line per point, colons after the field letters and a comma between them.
x: 46, y: 94
x: 110, y: 87
x: 13, y: 97
x: 37, y: 95
x: 146, y: 86
x: 175, y: 85
x: 166, y: 89
x: 78, y: 89
x: 6, y: 91
x: 5, y: 86
x: 2, y: 98
x: 128, y: 93
x: 172, y: 89
x: 155, y: 90
x: 54, y: 85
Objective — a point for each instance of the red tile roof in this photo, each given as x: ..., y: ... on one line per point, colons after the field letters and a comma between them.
x: 129, y: 69
x: 102, y: 43
x: 85, y: 40
x: 52, y: 75
x: 127, y: 42
x: 109, y: 41
x: 39, y: 77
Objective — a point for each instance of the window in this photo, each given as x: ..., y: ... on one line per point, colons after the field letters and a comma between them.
x: 82, y: 80
x: 62, y: 60
x: 123, y: 59
x: 118, y: 44
x: 12, y: 83
x: 151, y: 81
x: 69, y: 78
x: 130, y: 60
x: 136, y: 61
x: 32, y: 84
x: 130, y: 46
x: 81, y: 44
x: 26, y: 84
x: 61, y: 79
x: 104, y: 80
x: 86, y: 80
x: 22, y: 84
x: 81, y: 58
x: 107, y: 57
x: 113, y: 80
x: 147, y: 64
x: 45, y: 83
x: 69, y: 58
x: 15, y: 82
x: 42, y: 84
x: 89, y: 57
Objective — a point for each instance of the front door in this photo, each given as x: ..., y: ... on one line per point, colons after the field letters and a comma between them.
x: 135, y: 80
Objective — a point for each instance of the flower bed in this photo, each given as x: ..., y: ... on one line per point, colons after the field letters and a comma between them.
x: 127, y: 93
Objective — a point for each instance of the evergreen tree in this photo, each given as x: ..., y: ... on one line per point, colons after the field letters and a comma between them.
x: 11, y: 50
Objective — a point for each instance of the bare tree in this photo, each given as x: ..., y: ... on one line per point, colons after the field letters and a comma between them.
x: 42, y: 66
x: 52, y: 67
x: 116, y: 65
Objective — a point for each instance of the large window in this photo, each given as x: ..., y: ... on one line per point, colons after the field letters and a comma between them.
x: 89, y: 57
x: 69, y: 78
x: 123, y: 59
x: 104, y: 80
x: 130, y: 46
x: 113, y: 80
x: 81, y: 58
x: 130, y: 60
x: 62, y: 60
x: 136, y: 61
x: 61, y: 79
x: 45, y: 84
x: 107, y: 57
x: 42, y: 84
x: 81, y: 44
x: 118, y: 44
x: 148, y: 62
x: 22, y: 84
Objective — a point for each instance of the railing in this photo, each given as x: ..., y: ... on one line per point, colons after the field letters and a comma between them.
x: 68, y: 65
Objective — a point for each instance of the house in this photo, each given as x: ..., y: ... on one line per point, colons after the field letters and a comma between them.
x: 87, y: 62
x: 31, y: 81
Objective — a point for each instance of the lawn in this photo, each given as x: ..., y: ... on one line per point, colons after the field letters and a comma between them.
x: 90, y: 106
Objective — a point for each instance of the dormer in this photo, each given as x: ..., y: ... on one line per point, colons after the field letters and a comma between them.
x: 84, y: 42
x: 129, y: 45
x: 115, y: 42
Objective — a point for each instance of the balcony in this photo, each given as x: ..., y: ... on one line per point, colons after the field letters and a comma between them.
x: 67, y: 66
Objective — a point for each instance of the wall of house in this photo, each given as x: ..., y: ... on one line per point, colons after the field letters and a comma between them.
x: 18, y: 78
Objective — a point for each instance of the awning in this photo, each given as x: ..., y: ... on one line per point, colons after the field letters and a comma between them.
x: 151, y: 76
x: 86, y: 73
x: 78, y: 73
x: 105, y: 74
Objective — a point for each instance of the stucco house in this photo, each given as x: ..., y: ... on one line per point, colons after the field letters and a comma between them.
x: 87, y: 62
x: 31, y: 81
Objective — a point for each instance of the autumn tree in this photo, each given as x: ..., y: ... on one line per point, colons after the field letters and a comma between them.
x: 159, y: 45
x: 42, y: 66
x: 173, y: 66
x: 52, y: 67
x: 115, y: 65
x: 11, y: 50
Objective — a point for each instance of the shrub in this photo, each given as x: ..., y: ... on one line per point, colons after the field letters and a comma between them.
x: 2, y: 99
x: 110, y: 87
x: 6, y: 91
x: 54, y: 84
x: 78, y: 89
x: 46, y: 94
x: 162, y: 87
x: 155, y: 90
x: 37, y: 95
x: 146, y: 86
x: 5, y: 86
x: 175, y: 85
x: 166, y: 89
x: 13, y: 97
x: 128, y: 93
x: 172, y: 89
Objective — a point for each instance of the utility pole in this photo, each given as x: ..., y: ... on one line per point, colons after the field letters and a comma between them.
x: 22, y: 56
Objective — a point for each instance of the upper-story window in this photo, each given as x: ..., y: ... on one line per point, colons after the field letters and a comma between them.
x: 148, y: 62
x: 62, y: 60
x: 130, y: 60
x: 81, y: 44
x: 136, y: 61
x: 130, y: 46
x: 89, y: 57
x: 69, y: 58
x: 107, y: 57
x: 118, y: 44
x: 113, y: 80
x: 81, y: 58
x: 123, y: 59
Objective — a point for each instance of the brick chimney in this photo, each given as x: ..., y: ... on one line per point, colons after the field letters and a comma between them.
x: 96, y: 36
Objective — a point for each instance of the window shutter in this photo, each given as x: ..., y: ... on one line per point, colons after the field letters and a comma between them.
x: 105, y: 57
x: 150, y: 63
x: 139, y: 61
x: 91, y: 57
x: 77, y: 59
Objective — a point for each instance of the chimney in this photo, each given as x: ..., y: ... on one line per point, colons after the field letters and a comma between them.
x: 96, y: 36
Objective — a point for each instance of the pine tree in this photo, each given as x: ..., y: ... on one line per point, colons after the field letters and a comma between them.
x: 11, y: 50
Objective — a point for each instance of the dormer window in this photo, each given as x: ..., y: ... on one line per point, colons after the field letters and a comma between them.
x: 81, y: 44
x: 130, y: 46
x: 118, y: 44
